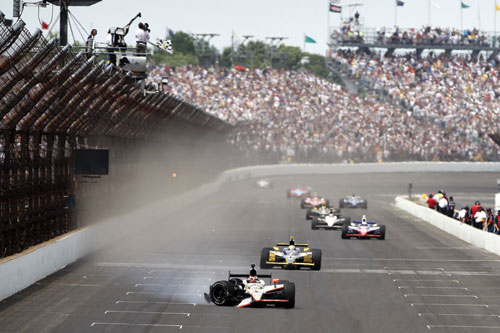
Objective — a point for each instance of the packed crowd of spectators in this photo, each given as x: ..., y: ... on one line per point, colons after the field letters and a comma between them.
x: 458, y: 95
x: 476, y: 216
x: 426, y: 35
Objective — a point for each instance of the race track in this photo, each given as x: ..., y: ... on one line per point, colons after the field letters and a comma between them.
x: 418, y: 279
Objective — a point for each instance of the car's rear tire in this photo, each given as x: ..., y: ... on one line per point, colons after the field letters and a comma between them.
x: 345, y: 230
x: 289, y: 294
x: 316, y: 259
x: 308, y: 214
x: 347, y: 220
x: 264, y: 257
x: 302, y: 202
x: 327, y: 203
x: 341, y: 203
x: 314, y: 223
x: 220, y: 293
x: 366, y: 205
x: 382, y: 232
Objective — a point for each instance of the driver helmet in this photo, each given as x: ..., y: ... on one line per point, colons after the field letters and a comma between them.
x: 363, y: 220
x: 323, y: 204
x: 291, y: 247
x: 252, y: 279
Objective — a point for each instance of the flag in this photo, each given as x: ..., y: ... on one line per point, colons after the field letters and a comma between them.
x: 400, y: 3
x: 335, y: 8
x: 45, y: 26
x: 309, y: 40
x: 497, y: 8
x: 464, y: 5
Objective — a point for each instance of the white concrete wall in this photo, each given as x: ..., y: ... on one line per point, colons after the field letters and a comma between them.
x: 20, y: 271
x: 474, y: 236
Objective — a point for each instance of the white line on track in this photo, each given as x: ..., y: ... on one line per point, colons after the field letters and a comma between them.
x: 409, y: 287
x: 166, y: 285
x: 149, y: 293
x: 428, y: 295
x: 187, y: 314
x: 68, y: 284
x: 456, y: 281
x: 174, y: 278
x: 458, y: 314
x: 460, y: 326
x: 133, y: 324
x: 414, y: 259
x: 443, y: 304
x: 414, y: 267
x: 145, y: 302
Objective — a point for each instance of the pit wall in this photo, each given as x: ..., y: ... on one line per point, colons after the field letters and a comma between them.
x: 22, y: 270
x: 479, y: 238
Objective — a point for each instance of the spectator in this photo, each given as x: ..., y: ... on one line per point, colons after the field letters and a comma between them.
x: 497, y: 223
x: 490, y: 221
x: 479, y: 218
x: 431, y: 202
x: 451, y: 207
x: 464, y: 215
x: 475, y: 208
x: 443, y: 205
x: 90, y: 43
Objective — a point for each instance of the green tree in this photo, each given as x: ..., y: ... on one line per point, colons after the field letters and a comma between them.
x: 183, y: 43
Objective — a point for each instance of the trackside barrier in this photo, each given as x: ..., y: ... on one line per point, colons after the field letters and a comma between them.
x: 467, y: 233
x: 22, y: 270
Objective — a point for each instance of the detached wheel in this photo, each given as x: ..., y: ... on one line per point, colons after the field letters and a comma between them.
x: 345, y: 230
x: 308, y: 214
x: 264, y: 257
x: 289, y: 294
x: 316, y: 258
x: 314, y: 224
x: 220, y: 293
x: 382, y: 232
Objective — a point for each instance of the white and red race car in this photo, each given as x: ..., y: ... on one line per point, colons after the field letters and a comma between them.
x: 314, y: 201
x: 298, y: 192
x: 363, y: 229
x: 244, y: 290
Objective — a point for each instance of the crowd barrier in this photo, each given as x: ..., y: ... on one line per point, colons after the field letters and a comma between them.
x: 479, y: 238
x: 20, y: 271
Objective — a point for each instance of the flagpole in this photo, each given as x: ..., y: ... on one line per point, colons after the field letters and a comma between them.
x: 304, y: 47
x: 395, y: 13
x: 429, y: 12
x: 495, y: 24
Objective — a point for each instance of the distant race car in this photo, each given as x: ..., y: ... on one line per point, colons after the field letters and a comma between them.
x: 332, y: 220
x: 298, y: 192
x: 353, y: 201
x: 243, y: 290
x: 318, y: 211
x: 363, y: 229
x: 291, y: 255
x: 313, y: 201
x: 263, y: 183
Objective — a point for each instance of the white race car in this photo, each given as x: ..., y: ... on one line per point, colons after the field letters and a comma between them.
x: 332, y: 220
x: 363, y: 229
x: 243, y: 290
x: 263, y: 183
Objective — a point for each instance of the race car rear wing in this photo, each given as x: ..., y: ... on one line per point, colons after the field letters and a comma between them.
x: 369, y: 222
x: 287, y: 244
x: 260, y: 276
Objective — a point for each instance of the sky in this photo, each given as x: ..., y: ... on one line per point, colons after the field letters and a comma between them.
x: 262, y: 18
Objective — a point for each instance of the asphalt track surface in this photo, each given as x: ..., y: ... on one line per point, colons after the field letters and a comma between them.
x: 419, y: 279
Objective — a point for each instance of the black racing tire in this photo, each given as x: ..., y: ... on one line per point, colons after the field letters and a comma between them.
x: 382, y: 232
x: 347, y: 220
x: 220, y: 293
x: 264, y: 256
x: 327, y: 203
x: 289, y: 294
x: 341, y: 203
x: 365, y: 205
x: 345, y: 230
x: 316, y: 258
x: 314, y: 223
x: 302, y: 203
x: 308, y: 214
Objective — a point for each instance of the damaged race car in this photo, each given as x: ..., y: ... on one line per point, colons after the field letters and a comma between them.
x: 291, y: 255
x: 353, y: 201
x: 245, y: 290
x: 299, y: 192
x: 313, y: 201
x: 332, y: 220
x: 363, y: 229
